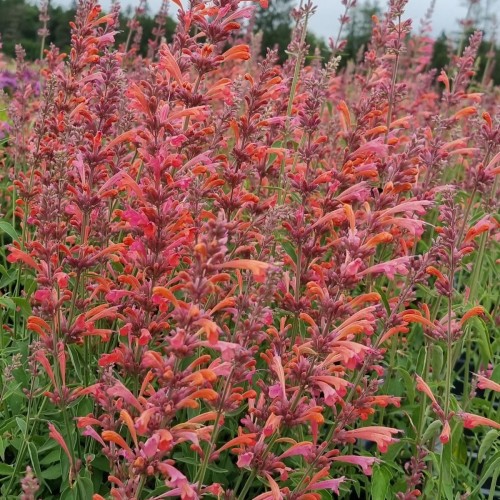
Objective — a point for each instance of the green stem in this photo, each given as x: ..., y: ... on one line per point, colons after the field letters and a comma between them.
x: 248, y: 483
x: 24, y: 446
x: 215, y: 432
x: 293, y: 89
x: 449, y: 368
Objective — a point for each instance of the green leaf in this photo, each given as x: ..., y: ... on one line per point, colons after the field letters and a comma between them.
x: 51, y: 457
x: 23, y: 304
x: 8, y: 278
x: 52, y: 472
x: 69, y: 494
x: 447, y: 479
x: 6, y: 470
x: 290, y: 250
x: 422, y: 355
x: 409, y: 384
x: 383, y: 296
x: 482, y: 337
x: 21, y: 423
x: 432, y: 431
x: 35, y: 462
x: 194, y: 461
x: 84, y: 487
x: 494, y: 463
x: 11, y: 422
x: 488, y: 440
x: 380, y: 483
x: 437, y: 358
x: 7, y: 227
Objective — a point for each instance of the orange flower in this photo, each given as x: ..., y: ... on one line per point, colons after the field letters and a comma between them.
x: 210, y: 328
x: 416, y: 317
x: 468, y: 111
x: 168, y: 63
x: 483, y: 225
x: 127, y: 420
x: 238, y: 52
x: 392, y: 331
x: 345, y: 116
x: 117, y: 439
x: 259, y: 269
x: 244, y: 439
x: 379, y: 238
x: 475, y: 311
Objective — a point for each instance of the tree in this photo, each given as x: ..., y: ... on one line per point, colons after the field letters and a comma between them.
x: 440, y: 56
x: 359, y: 29
x: 275, y: 24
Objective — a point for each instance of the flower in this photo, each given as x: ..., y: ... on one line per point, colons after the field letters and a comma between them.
x: 383, y: 436
x: 471, y: 421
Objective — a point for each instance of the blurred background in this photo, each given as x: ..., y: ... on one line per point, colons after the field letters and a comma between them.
x: 450, y: 20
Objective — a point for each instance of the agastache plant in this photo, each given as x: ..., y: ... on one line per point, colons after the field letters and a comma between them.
x: 231, y: 278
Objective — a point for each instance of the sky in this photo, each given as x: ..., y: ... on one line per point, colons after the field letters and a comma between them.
x: 325, y: 22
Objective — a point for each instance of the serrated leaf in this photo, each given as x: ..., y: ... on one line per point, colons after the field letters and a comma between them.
x: 381, y: 480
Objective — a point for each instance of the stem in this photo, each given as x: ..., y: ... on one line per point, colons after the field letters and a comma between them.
x: 493, y: 485
x: 215, y: 432
x: 293, y: 89
x: 24, y: 446
x: 248, y: 483
x: 449, y: 366
x: 393, y: 86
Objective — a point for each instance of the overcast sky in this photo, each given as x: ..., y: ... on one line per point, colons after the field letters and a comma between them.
x: 325, y: 22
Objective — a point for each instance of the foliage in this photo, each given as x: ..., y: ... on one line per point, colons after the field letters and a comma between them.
x: 223, y: 276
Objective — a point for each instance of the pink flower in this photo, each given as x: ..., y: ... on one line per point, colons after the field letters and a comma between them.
x: 366, y: 463
x: 471, y: 421
x: 423, y: 387
x: 245, y: 459
x: 383, y: 436
x: 486, y: 383
x: 389, y: 268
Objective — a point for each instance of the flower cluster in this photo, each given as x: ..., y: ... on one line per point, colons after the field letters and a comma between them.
x: 226, y: 266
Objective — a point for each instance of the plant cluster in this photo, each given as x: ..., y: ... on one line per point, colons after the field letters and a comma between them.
x: 226, y: 277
